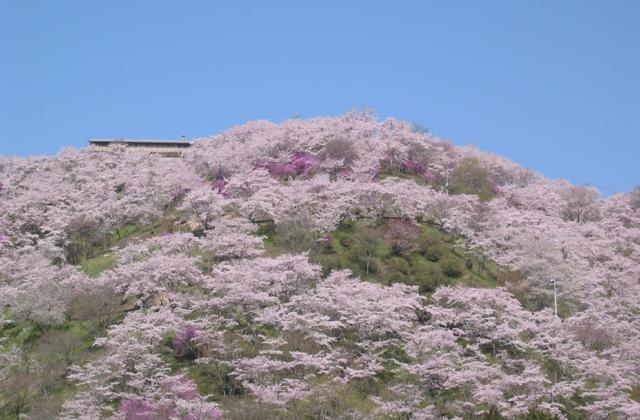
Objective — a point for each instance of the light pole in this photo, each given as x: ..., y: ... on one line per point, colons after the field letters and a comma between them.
x: 555, y: 297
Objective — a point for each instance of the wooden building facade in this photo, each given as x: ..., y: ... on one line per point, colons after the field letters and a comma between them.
x: 163, y: 147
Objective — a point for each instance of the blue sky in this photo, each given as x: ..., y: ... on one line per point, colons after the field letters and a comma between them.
x: 552, y: 85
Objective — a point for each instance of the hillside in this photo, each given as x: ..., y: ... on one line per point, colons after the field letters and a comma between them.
x: 324, y: 268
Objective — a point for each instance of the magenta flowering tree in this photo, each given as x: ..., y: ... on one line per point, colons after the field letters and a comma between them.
x: 185, y: 342
x: 136, y: 409
x: 179, y: 399
x: 299, y: 164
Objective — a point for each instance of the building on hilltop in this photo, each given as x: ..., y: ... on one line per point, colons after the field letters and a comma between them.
x: 163, y: 147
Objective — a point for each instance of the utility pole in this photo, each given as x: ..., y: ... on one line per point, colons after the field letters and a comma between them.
x: 555, y: 297
x: 445, y: 187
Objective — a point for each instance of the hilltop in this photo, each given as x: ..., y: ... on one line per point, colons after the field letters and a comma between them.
x: 320, y: 268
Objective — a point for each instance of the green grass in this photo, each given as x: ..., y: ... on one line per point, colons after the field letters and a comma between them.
x: 18, y: 334
x: 94, y: 266
x: 125, y: 233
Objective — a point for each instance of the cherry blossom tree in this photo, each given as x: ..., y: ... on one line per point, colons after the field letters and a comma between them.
x: 581, y: 204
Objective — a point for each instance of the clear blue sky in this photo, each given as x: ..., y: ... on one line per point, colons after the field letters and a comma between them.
x: 550, y: 84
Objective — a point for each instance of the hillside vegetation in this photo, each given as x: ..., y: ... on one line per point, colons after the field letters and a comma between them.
x: 325, y: 268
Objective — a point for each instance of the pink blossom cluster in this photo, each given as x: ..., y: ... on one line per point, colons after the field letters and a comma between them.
x: 300, y: 163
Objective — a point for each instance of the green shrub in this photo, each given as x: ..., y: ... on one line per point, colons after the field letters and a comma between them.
x: 331, y: 262
x: 397, y: 270
x: 366, y: 245
x: 470, y: 177
x: 428, y: 276
x: 99, y: 307
x: 294, y: 236
x: 431, y: 245
x: 85, y: 238
x: 554, y: 370
x: 94, y: 266
x: 215, y: 379
x: 451, y: 266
